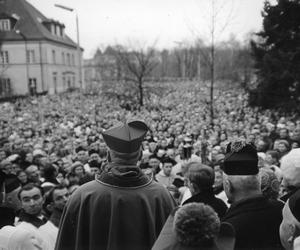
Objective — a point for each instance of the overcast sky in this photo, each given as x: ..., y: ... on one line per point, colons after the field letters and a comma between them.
x: 108, y: 22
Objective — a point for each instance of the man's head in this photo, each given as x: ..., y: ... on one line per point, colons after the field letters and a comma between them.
x: 95, y: 167
x: 290, y: 166
x: 78, y: 169
x: 167, y: 165
x: 94, y: 156
x: 200, y: 177
x: 124, y: 142
x: 57, y: 198
x: 154, y: 162
x: 6, y: 166
x: 33, y: 173
x: 290, y: 225
x: 81, y: 154
x: 32, y: 199
x: 283, y: 133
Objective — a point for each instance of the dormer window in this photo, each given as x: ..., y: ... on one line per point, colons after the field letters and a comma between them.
x: 5, y: 25
x: 56, y: 28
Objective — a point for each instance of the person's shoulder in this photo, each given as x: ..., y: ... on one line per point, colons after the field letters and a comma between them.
x: 26, y: 225
x: 47, y: 227
x: 220, y: 201
x: 87, y: 188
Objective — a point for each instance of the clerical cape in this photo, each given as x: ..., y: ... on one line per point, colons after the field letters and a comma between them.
x: 122, y: 209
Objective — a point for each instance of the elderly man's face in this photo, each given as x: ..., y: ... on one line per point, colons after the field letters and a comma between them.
x: 33, y: 173
x: 288, y: 228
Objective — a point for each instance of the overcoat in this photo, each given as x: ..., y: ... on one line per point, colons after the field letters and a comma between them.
x: 256, y: 221
x: 122, y: 209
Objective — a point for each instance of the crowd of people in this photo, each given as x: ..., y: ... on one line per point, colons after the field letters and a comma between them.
x: 50, y: 146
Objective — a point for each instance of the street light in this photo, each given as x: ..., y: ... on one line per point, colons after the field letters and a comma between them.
x: 78, y: 44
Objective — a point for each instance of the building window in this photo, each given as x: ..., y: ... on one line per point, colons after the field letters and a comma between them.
x: 5, y: 87
x: 69, y: 82
x: 73, y: 60
x: 32, y: 86
x: 30, y: 56
x: 4, y: 57
x: 73, y: 80
x: 5, y: 25
x: 64, y: 82
x: 53, y: 57
x: 68, y: 59
x: 55, y: 82
x: 63, y: 58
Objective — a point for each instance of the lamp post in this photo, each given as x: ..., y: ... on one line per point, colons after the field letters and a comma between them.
x: 78, y: 44
x: 26, y: 61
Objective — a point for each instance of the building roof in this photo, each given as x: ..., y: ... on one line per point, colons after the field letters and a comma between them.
x: 30, y: 22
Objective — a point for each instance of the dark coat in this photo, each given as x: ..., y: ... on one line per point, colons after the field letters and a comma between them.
x: 121, y: 209
x: 256, y: 221
x: 207, y: 197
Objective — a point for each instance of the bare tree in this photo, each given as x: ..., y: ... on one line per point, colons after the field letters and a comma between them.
x: 215, y: 29
x: 137, y: 66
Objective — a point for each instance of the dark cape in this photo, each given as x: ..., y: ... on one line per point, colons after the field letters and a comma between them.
x: 121, y: 209
x: 256, y: 221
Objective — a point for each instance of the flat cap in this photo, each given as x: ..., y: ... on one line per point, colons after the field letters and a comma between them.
x: 125, y: 138
x: 240, y: 159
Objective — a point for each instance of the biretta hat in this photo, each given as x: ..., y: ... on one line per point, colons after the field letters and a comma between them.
x: 294, y: 205
x: 240, y: 159
x: 125, y: 138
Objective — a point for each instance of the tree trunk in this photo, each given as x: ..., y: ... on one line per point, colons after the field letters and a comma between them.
x: 141, y: 93
x: 212, y: 80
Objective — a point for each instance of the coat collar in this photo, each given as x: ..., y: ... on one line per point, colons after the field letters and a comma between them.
x: 129, y: 176
x: 32, y: 219
x: 252, y: 203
